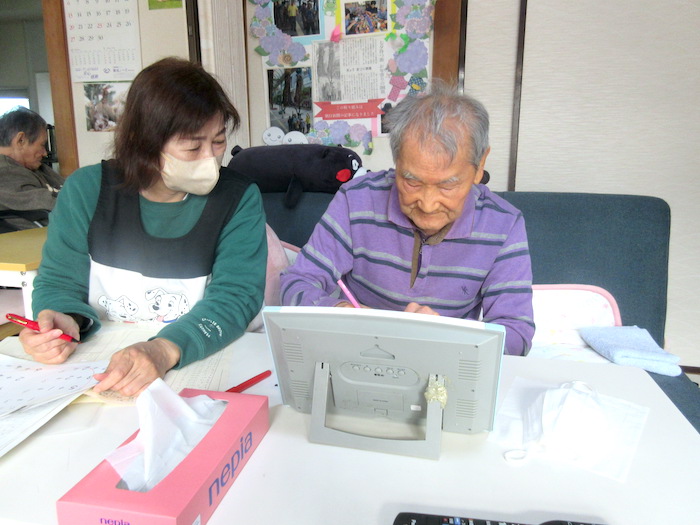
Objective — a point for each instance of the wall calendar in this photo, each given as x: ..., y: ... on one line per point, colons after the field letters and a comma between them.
x: 103, y: 39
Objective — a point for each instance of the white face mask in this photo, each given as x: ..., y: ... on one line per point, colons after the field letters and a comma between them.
x: 191, y: 176
x: 566, y: 421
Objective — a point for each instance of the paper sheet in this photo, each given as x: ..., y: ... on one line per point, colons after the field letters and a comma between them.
x: 21, y: 424
x: 26, y: 384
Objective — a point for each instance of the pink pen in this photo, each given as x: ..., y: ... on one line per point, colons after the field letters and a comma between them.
x: 348, y: 294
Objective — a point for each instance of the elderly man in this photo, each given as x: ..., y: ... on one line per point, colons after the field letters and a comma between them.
x: 425, y: 237
x: 25, y: 183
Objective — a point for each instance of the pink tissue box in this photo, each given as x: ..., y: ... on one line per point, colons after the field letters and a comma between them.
x: 191, y: 492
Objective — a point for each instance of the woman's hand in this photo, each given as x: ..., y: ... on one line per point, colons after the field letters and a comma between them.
x: 133, y: 368
x: 45, y: 346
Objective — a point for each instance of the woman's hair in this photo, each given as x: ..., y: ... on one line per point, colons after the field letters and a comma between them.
x: 442, y: 118
x: 17, y: 120
x: 169, y: 98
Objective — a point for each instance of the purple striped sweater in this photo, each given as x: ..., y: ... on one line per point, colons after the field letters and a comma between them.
x: 483, y: 263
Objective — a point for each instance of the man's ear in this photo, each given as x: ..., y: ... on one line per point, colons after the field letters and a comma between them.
x: 480, y: 169
x: 19, y: 140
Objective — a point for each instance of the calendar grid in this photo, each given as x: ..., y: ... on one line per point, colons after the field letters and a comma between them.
x: 103, y: 39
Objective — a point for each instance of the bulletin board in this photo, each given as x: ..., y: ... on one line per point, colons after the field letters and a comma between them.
x: 329, y: 70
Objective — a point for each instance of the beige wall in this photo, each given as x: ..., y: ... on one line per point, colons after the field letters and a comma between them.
x: 222, y: 40
x: 12, y: 45
x: 611, y: 104
x: 21, y: 59
x: 492, y: 38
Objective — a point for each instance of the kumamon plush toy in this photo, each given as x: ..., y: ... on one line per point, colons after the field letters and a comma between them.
x: 295, y: 168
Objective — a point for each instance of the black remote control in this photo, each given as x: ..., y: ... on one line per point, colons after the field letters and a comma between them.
x: 415, y: 518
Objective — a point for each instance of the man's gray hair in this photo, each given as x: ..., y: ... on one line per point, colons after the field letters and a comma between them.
x: 20, y: 119
x: 443, y: 116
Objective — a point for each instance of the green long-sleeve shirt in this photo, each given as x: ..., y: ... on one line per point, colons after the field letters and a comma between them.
x: 232, y: 298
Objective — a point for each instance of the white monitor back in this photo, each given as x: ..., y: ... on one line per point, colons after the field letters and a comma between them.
x: 380, y: 361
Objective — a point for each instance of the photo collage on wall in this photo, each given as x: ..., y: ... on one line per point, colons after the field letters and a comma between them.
x: 333, y: 68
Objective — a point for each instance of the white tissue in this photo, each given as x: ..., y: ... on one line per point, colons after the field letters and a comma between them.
x: 170, y: 427
x: 570, y: 424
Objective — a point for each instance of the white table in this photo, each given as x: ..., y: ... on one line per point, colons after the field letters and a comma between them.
x: 289, y: 480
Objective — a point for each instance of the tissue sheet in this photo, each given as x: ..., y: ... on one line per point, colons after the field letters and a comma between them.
x: 193, y: 490
x: 170, y: 427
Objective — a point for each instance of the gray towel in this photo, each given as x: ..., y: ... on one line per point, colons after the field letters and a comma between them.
x: 631, y: 346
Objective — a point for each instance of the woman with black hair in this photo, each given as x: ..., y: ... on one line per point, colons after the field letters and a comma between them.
x: 159, y: 234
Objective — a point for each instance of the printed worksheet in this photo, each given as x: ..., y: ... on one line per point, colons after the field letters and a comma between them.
x: 17, y: 427
x: 25, y: 384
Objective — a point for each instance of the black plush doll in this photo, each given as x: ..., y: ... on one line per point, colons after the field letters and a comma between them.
x: 295, y: 168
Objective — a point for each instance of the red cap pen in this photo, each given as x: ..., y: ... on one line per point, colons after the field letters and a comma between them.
x: 245, y: 385
x: 33, y: 325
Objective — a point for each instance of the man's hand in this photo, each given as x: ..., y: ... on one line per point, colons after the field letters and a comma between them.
x: 345, y: 304
x: 45, y: 346
x: 133, y: 368
x: 420, y: 309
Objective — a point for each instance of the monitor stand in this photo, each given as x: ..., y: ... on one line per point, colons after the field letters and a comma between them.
x: 320, y: 433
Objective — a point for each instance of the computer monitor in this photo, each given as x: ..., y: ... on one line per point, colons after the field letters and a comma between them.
x: 380, y: 364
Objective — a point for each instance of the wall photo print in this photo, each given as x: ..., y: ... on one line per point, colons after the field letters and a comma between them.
x: 104, y: 104
x: 365, y: 17
x: 290, y: 103
x: 297, y: 17
x: 332, y: 67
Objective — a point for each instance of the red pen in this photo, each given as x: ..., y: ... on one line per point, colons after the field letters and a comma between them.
x: 33, y: 325
x: 245, y: 385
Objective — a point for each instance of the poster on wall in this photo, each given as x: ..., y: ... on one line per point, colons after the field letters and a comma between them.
x: 104, y: 104
x: 103, y: 39
x: 333, y: 68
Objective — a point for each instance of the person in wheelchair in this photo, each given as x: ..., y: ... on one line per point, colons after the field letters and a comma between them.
x: 28, y: 188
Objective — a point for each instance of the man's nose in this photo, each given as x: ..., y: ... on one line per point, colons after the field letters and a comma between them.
x: 429, y: 200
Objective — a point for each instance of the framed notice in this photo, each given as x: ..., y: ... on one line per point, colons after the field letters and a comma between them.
x: 103, y: 39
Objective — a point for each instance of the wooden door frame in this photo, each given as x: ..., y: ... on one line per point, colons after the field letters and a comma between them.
x: 61, y: 88
x: 449, y: 41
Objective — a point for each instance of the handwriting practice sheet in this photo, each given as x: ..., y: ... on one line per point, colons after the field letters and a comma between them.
x: 25, y: 383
